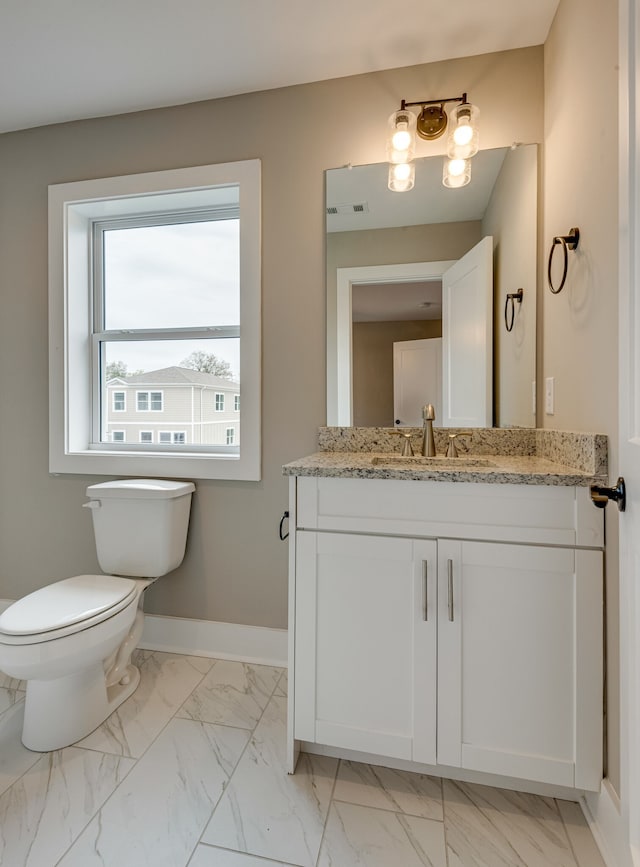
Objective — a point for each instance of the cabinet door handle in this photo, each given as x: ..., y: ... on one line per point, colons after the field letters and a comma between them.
x: 425, y: 567
x: 450, y: 587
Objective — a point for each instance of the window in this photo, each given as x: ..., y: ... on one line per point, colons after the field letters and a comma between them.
x: 231, y: 433
x: 120, y: 309
x: 117, y: 436
x: 236, y: 402
x: 149, y: 400
x: 219, y: 402
x: 146, y: 436
x: 174, y: 437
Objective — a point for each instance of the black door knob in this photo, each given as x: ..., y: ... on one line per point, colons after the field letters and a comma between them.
x: 601, y: 495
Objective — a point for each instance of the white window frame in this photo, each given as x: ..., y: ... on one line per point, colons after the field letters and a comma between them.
x: 236, y: 403
x: 230, y: 435
x: 124, y: 436
x: 73, y: 210
x: 145, y: 432
x: 219, y: 394
x: 113, y: 401
x: 149, y: 392
x: 172, y: 434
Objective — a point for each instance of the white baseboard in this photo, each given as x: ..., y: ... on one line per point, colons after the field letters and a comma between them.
x: 602, y: 812
x: 258, y: 644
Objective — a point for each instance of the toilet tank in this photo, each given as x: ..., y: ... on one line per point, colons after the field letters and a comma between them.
x: 140, y: 525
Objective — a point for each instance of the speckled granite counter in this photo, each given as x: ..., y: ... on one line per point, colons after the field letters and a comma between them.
x: 494, y: 456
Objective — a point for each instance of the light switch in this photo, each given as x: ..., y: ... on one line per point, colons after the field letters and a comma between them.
x: 548, y: 395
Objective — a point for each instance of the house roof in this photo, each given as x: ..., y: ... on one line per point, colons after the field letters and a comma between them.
x: 177, y: 376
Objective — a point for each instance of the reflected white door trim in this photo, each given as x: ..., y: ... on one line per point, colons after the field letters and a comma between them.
x: 346, y: 278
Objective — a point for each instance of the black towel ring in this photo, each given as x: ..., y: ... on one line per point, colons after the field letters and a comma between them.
x: 510, y: 308
x: 567, y: 242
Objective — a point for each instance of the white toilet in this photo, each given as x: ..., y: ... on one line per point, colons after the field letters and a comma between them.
x: 72, y: 641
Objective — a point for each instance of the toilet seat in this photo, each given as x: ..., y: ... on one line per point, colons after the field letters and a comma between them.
x: 66, y: 607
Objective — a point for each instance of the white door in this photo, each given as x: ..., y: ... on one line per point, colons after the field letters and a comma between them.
x: 467, y: 339
x: 365, y: 643
x: 520, y: 661
x: 629, y: 421
x: 417, y: 379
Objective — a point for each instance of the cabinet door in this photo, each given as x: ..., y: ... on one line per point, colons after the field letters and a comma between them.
x: 365, y: 640
x: 519, y: 666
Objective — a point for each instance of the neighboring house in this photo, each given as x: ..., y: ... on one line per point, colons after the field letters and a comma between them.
x: 174, y: 405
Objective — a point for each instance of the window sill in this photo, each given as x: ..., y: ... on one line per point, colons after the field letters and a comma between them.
x: 156, y: 465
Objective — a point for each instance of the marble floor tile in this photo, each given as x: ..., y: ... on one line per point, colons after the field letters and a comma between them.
x: 7, y: 682
x: 166, y: 679
x: 232, y: 693
x: 387, y: 789
x: 209, y: 856
x: 357, y: 835
x: 8, y: 697
x: 584, y: 846
x: 264, y: 811
x: 44, y: 811
x: 156, y: 816
x: 15, y: 759
x: 489, y: 827
x: 283, y: 684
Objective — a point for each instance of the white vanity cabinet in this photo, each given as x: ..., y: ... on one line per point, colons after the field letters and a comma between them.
x: 449, y: 624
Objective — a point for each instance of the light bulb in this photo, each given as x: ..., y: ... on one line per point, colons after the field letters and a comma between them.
x: 463, y: 138
x: 401, y: 136
x: 402, y: 177
x: 456, y: 173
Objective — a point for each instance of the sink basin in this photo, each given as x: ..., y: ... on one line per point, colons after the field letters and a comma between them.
x: 438, y: 462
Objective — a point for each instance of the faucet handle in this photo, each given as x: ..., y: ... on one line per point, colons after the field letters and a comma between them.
x: 452, y: 451
x: 407, y: 448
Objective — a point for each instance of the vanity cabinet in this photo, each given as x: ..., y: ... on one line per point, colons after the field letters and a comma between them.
x: 451, y: 625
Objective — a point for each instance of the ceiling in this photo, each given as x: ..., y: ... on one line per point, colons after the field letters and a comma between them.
x: 71, y: 59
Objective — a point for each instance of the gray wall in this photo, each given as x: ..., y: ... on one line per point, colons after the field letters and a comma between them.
x: 236, y: 568
x: 578, y: 337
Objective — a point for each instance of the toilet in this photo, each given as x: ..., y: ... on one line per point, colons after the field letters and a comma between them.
x: 72, y: 640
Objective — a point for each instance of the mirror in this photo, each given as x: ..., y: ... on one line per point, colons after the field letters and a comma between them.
x: 386, y: 256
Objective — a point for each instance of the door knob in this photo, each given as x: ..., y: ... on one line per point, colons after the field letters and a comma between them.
x: 601, y: 495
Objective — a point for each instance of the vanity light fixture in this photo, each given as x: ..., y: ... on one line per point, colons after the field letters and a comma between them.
x: 430, y: 124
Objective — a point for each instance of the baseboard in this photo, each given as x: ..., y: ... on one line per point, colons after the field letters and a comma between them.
x: 602, y: 812
x: 258, y: 644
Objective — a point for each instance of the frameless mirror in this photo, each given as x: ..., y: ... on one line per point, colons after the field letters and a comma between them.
x: 418, y: 286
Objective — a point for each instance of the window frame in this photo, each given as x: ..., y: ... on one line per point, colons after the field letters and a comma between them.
x: 113, y: 401
x: 124, y: 436
x: 218, y: 405
x: 140, y: 433
x: 73, y: 210
x: 149, y: 392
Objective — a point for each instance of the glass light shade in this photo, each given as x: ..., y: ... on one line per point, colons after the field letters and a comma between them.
x: 463, y: 139
x: 401, y: 137
x: 456, y: 173
x: 402, y: 177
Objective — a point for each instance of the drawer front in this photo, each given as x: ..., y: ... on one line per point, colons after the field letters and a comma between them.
x: 534, y: 514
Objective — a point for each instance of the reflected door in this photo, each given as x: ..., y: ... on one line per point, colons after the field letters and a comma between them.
x: 467, y: 335
x: 417, y: 380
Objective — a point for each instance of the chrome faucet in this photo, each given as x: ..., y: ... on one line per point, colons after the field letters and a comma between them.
x: 428, y: 442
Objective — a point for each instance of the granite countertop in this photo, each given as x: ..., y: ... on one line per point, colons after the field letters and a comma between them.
x: 566, y: 459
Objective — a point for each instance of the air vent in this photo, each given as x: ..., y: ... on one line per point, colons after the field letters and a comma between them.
x: 349, y: 208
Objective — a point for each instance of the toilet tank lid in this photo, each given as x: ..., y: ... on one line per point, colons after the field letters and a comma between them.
x: 141, y: 489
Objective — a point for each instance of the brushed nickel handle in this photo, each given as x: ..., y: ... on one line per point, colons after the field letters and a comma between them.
x: 450, y: 588
x: 425, y: 568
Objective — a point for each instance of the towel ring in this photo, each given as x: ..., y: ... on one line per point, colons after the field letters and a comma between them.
x: 510, y: 308
x: 567, y: 242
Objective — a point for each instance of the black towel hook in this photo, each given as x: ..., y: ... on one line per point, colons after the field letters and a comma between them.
x: 510, y: 308
x: 567, y: 242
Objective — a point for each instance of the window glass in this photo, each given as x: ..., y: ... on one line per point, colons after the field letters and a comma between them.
x: 118, y: 401
x: 172, y: 276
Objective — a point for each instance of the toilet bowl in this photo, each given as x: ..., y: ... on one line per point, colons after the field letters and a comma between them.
x: 72, y: 640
